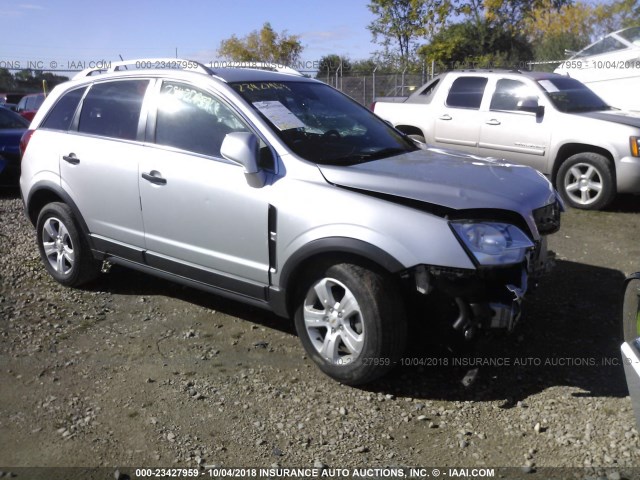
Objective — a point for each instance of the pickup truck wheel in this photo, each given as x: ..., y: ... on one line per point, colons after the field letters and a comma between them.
x: 64, y: 250
x: 585, y: 181
x: 351, y: 322
x: 417, y: 138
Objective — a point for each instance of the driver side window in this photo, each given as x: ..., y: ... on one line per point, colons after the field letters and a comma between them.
x: 193, y: 120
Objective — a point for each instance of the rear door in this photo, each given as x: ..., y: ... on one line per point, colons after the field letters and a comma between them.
x: 99, y: 161
x: 202, y: 220
x: 512, y: 129
x: 457, y: 123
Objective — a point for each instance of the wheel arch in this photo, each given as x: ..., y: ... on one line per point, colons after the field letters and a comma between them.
x: 329, y: 250
x: 46, y: 192
x: 569, y: 149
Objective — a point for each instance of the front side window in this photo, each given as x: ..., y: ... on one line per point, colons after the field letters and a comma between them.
x: 466, y: 92
x: 61, y: 115
x: 112, y: 109
x: 511, y: 94
x: 193, y: 120
x: 320, y: 124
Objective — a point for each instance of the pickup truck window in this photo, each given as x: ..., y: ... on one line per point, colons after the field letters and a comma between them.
x: 427, y: 94
x: 509, y: 94
x: 570, y: 96
x: 466, y: 92
x: 321, y: 124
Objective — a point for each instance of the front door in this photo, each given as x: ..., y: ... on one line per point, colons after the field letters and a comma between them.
x: 201, y: 218
x: 511, y: 129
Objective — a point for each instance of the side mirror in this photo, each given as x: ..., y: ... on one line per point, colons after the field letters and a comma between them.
x: 631, y: 346
x: 530, y: 104
x: 243, y: 148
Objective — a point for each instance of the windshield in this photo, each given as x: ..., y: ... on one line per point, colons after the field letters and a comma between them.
x: 570, y: 96
x: 632, y: 35
x: 321, y: 124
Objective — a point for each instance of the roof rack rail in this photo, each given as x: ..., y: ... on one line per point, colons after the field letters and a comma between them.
x: 146, y: 64
x: 273, y: 66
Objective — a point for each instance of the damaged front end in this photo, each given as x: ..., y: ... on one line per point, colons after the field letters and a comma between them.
x: 508, y: 263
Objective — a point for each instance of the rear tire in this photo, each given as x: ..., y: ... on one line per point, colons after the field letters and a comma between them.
x: 352, y: 322
x: 64, y: 250
x: 586, y: 181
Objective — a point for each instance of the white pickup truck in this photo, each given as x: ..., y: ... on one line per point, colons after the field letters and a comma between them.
x: 553, y: 123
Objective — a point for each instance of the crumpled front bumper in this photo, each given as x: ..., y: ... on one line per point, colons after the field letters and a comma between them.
x: 487, y: 297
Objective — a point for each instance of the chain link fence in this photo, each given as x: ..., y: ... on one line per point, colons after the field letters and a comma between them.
x: 366, y: 88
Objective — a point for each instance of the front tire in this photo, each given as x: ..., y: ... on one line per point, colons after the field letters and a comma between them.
x: 586, y: 181
x: 64, y: 250
x: 352, y: 322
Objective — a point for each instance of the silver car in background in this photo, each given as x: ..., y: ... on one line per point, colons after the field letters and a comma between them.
x: 279, y: 191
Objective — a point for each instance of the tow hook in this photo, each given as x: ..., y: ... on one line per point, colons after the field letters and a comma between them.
x: 106, y: 266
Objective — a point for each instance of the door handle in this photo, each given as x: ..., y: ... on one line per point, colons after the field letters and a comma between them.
x: 493, y: 121
x: 71, y: 158
x: 154, y: 177
x: 446, y: 116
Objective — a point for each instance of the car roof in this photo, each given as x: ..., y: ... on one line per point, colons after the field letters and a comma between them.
x: 231, y: 75
x: 525, y: 73
x: 227, y: 72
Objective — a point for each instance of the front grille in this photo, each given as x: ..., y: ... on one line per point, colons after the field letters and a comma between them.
x: 547, y: 218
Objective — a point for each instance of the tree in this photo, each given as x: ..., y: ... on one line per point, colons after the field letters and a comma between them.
x: 264, y: 45
x: 330, y: 64
x: 553, y: 30
x: 513, y: 14
x: 7, y: 83
x: 467, y: 45
x: 401, y: 23
x: 609, y: 17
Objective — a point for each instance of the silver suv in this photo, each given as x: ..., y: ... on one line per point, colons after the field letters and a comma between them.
x: 281, y: 192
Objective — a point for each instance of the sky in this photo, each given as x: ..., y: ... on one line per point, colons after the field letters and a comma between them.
x: 64, y: 33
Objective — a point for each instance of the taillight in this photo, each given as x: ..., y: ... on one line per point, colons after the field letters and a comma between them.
x: 24, y: 141
x: 372, y: 106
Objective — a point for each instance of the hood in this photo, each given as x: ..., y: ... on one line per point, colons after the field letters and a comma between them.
x: 450, y: 180
x: 616, y: 116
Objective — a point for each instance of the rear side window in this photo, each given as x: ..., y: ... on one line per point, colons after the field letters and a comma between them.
x: 112, y: 109
x: 193, y: 120
x: 466, y: 92
x: 61, y: 115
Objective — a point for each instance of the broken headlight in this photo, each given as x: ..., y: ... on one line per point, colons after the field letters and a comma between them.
x: 493, y: 243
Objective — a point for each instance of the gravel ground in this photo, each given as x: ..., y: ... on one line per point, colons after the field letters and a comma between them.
x: 140, y: 372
